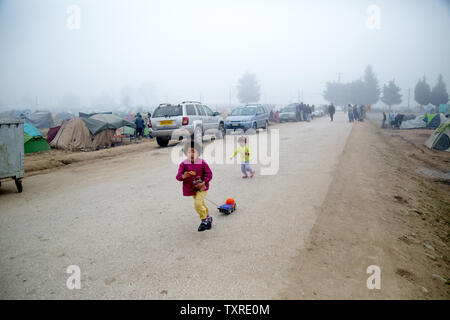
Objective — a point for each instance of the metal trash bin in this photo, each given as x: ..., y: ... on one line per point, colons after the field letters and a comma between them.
x: 11, y: 150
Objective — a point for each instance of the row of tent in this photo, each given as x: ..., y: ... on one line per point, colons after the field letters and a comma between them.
x: 40, y: 119
x: 86, y: 133
x: 426, y: 121
x: 440, y: 138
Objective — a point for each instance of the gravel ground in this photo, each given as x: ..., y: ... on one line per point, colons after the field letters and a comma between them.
x: 124, y: 222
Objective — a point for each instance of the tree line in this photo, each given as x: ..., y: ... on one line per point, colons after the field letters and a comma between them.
x: 367, y: 92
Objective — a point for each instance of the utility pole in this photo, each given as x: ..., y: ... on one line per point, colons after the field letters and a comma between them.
x: 409, y: 93
x: 339, y: 74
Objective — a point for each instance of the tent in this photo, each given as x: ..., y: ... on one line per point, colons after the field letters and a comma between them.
x: 417, y: 123
x: 83, y: 134
x: 433, y: 120
x: 51, y: 134
x: 40, y: 119
x: 33, y: 140
x: 440, y: 138
x: 113, y: 121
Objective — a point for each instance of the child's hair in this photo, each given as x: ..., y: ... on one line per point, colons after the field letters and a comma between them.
x: 191, y: 144
x: 242, y: 139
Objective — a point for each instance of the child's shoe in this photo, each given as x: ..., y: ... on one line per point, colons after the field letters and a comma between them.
x: 245, y: 177
x: 204, y: 225
x: 253, y: 173
x: 209, y: 222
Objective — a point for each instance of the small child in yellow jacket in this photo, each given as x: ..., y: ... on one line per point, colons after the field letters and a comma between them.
x: 244, y: 152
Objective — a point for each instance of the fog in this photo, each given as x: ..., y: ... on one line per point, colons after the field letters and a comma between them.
x: 142, y: 53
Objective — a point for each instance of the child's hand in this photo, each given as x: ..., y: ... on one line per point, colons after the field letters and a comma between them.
x: 231, y: 158
x: 201, y: 186
x: 188, y: 174
x: 247, y: 153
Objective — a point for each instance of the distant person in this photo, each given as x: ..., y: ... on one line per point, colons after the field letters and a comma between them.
x: 331, y: 111
x: 271, y: 115
x: 355, y: 113
x: 361, y: 113
x: 277, y: 117
x: 139, y: 122
x: 391, y: 120
x: 195, y: 174
x: 149, y: 122
x: 244, y: 152
x: 383, y: 125
x: 302, y: 111
x: 398, y: 120
x: 350, y: 113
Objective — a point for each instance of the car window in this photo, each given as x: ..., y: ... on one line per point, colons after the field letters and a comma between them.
x: 244, y: 111
x: 208, y: 111
x: 261, y: 110
x: 200, y: 110
x: 168, y: 111
x: 288, y: 109
x: 190, y: 110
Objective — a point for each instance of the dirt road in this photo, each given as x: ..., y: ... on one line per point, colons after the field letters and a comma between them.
x: 124, y: 222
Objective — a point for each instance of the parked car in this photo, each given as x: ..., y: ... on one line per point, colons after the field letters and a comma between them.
x: 318, y: 113
x: 253, y: 116
x: 289, y: 113
x: 167, y: 118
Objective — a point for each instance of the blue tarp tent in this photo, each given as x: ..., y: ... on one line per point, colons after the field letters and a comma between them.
x: 31, y: 130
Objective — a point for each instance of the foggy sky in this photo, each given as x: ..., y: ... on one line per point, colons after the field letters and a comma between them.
x: 169, y: 51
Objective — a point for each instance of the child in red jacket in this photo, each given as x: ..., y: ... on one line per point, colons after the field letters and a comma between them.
x: 196, y: 175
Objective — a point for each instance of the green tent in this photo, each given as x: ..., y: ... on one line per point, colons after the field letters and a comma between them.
x: 34, y: 144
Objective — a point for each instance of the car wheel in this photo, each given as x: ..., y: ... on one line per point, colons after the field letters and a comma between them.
x: 266, y: 127
x: 162, y: 142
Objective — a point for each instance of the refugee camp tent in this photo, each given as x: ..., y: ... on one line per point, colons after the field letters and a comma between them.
x: 51, y: 134
x: 113, y: 121
x: 83, y: 134
x: 40, y: 119
x: 440, y: 138
x: 409, y: 117
x: 433, y: 120
x: 33, y: 140
x: 417, y: 123
x: 88, y: 115
x: 62, y: 117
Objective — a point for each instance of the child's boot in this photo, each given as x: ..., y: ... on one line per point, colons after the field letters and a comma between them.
x: 204, y: 225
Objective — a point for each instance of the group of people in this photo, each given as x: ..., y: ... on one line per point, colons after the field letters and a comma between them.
x: 356, y: 113
x: 303, y: 112
x: 395, y: 120
x: 140, y: 123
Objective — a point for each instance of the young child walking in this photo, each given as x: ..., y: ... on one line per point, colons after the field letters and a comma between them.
x: 195, y: 174
x: 244, y: 151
